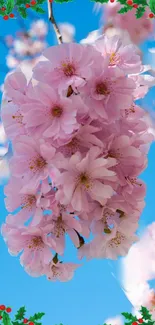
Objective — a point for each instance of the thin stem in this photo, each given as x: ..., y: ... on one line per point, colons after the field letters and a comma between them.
x: 52, y: 19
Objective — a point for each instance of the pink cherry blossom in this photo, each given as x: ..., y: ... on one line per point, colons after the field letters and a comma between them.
x: 60, y: 271
x: 123, y: 57
x: 70, y: 67
x: 51, y: 116
x: 32, y: 243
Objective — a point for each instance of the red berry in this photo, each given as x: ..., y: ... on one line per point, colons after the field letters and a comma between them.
x: 33, y: 3
x: 27, y: 5
x: 130, y: 2
x: 134, y: 323
x: 6, y: 17
x: 112, y: 1
x: 50, y: 1
x: 135, y: 6
x: 25, y: 320
x: 0, y: 317
x: 2, y: 307
x: 151, y: 15
x: 31, y: 323
x: 3, y: 8
x: 140, y: 320
x: 8, y: 310
x: 11, y: 15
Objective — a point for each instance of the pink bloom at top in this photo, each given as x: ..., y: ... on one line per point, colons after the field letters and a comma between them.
x: 32, y: 161
x: 123, y: 57
x: 143, y: 83
x: 68, y: 65
x: 106, y: 92
x: 60, y: 271
x: 84, y: 178
x: 51, y: 115
x: 58, y: 226
x: 13, y: 120
x: 31, y: 241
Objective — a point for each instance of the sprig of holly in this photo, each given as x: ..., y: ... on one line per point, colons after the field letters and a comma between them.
x: 139, y: 5
x: 19, y: 318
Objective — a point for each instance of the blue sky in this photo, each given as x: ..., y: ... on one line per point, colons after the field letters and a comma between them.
x: 94, y: 294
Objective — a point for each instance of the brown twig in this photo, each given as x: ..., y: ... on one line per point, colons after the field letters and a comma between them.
x: 52, y: 19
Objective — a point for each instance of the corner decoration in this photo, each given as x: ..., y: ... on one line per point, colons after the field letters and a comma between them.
x: 20, y: 318
x: 9, y: 7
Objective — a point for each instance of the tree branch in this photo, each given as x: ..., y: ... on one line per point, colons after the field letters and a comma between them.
x: 52, y: 19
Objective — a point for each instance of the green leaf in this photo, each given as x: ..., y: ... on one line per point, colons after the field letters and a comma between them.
x: 152, y: 6
x: 36, y: 316
x: 21, y: 312
x: 140, y: 12
x: 10, y: 6
x: 22, y: 12
x: 124, y: 9
x: 38, y: 9
x: 101, y: 1
x: 145, y: 313
x: 6, y: 319
x: 129, y: 316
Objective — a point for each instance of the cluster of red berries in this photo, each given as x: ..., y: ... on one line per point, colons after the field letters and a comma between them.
x: 140, y: 321
x: 25, y: 321
x: 3, y: 308
x: 6, y: 17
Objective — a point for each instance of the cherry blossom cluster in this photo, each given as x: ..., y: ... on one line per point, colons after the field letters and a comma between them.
x: 137, y: 31
x: 80, y: 142
x: 28, y: 45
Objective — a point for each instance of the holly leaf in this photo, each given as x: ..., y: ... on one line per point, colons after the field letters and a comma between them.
x: 129, y: 316
x: 152, y: 6
x: 101, y: 1
x: 22, y: 12
x: 124, y: 10
x: 145, y: 313
x: 38, y: 9
x: 140, y: 12
x: 6, y: 319
x: 36, y: 316
x: 10, y: 6
x: 20, y: 313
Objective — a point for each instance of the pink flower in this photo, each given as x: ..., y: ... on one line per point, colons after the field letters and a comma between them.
x: 118, y: 242
x: 68, y: 65
x: 32, y: 162
x: 31, y: 204
x: 13, y: 120
x: 31, y: 241
x: 123, y: 57
x: 51, y: 116
x: 60, y: 271
x: 105, y: 93
x: 58, y: 226
x: 16, y: 87
x: 84, y: 178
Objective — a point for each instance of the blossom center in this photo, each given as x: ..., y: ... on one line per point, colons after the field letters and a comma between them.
x: 102, y: 89
x: 18, y: 117
x: 57, y: 111
x: 68, y: 69
x: 28, y: 201
x: 114, y: 59
x: 117, y: 240
x: 36, y: 243
x: 38, y: 163
x: 85, y: 180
